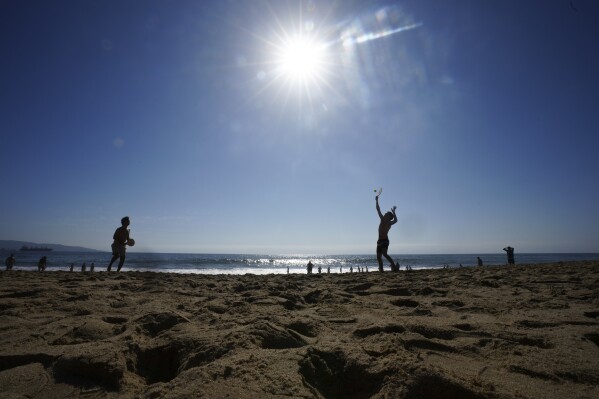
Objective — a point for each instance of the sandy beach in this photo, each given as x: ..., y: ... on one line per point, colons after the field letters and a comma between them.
x: 529, y: 331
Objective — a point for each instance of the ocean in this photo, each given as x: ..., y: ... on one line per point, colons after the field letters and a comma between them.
x: 268, y: 264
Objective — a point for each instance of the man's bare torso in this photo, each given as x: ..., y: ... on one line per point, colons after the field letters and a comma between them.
x: 384, y: 228
x: 121, y: 235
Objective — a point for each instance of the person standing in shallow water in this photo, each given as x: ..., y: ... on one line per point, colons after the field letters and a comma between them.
x: 510, y: 255
x: 41, y: 264
x: 119, y: 246
x: 10, y: 262
x: 382, y: 245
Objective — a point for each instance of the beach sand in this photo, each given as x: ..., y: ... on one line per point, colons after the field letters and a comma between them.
x: 529, y: 331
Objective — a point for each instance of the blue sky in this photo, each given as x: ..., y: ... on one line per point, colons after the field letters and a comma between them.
x: 478, y: 118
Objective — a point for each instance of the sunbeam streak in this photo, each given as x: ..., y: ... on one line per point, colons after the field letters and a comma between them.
x: 378, y: 35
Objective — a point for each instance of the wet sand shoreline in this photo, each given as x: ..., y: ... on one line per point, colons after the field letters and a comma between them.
x: 527, y: 331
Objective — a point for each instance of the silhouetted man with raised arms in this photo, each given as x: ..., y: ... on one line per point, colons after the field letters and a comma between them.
x: 382, y: 245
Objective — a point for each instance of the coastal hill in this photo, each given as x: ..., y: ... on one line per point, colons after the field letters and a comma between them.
x: 11, y: 245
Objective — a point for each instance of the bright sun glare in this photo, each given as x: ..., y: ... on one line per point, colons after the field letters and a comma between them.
x: 302, y: 60
x: 299, y: 58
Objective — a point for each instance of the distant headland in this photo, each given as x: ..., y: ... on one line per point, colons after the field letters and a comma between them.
x: 16, y: 246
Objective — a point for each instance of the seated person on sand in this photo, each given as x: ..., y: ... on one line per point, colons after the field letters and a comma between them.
x: 382, y: 245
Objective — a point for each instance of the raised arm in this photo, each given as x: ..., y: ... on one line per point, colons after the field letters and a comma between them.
x: 378, y: 208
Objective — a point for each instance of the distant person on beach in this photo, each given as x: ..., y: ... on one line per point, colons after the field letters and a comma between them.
x: 287, y: 269
x: 309, y: 266
x: 119, y: 246
x: 41, y: 264
x: 83, y: 268
x: 328, y: 269
x: 479, y: 261
x: 319, y: 269
x: 10, y: 262
x: 510, y: 255
x: 382, y: 245
x: 71, y: 268
x: 92, y: 267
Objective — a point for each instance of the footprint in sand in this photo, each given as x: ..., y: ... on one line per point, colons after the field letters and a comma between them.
x: 389, y: 329
x: 334, y: 375
x: 90, y: 330
x: 408, y: 303
x: 154, y: 323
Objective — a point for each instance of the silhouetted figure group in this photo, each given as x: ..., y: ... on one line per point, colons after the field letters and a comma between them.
x: 42, y: 264
x: 121, y: 240
x: 310, y: 267
x: 119, y: 248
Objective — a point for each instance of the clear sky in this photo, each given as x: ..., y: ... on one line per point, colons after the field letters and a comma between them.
x: 264, y: 126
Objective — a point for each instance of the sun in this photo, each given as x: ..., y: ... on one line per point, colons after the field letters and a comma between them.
x: 301, y: 60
